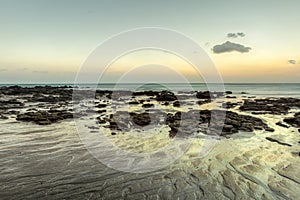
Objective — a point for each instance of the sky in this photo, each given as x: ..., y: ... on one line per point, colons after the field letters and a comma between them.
x: 248, y: 41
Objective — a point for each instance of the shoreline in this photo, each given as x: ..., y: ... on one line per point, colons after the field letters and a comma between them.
x: 257, y: 154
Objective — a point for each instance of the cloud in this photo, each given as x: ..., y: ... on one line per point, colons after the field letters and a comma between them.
x: 3, y: 70
x: 229, y: 47
x: 293, y: 62
x: 232, y: 35
x: 235, y: 35
x: 241, y: 34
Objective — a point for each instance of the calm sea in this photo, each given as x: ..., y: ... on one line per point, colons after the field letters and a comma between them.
x: 257, y: 89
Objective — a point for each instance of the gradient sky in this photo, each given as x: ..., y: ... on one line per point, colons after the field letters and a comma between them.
x: 47, y: 41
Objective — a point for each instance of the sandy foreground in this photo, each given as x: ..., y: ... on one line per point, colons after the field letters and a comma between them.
x: 51, y: 160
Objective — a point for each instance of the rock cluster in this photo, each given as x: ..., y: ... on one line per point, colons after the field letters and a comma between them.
x: 185, y: 124
x: 45, y: 117
x: 125, y: 121
x: 270, y: 105
x: 293, y: 121
x: 193, y: 121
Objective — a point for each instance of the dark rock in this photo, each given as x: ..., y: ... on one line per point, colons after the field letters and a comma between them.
x: 245, y: 126
x: 229, y: 105
x: 145, y: 93
x: 3, y: 116
x: 269, y: 129
x: 231, y: 97
x: 281, y: 124
x: 260, y: 113
x: 166, y: 96
x: 93, y: 127
x: 192, y: 121
x: 148, y: 105
x: 203, y: 101
x: 45, y: 117
x: 113, y: 133
x: 101, y: 105
x: 101, y: 111
x: 166, y: 103
x: 11, y: 104
x: 176, y: 104
x: 274, y: 140
x: 203, y: 95
x: 293, y: 121
x: 133, y: 102
x: 228, y: 92
x: 270, y: 105
x: 141, y: 119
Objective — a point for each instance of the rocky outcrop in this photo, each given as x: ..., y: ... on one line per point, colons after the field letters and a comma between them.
x: 185, y: 124
x: 270, y: 105
x: 11, y: 104
x: 45, y: 117
x: 293, y: 121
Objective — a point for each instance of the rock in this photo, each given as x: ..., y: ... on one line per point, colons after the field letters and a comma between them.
x: 203, y: 95
x: 166, y: 96
x: 3, y: 116
x: 229, y: 105
x: 193, y: 121
x: 270, y: 105
x: 44, y: 117
x: 282, y: 125
x: 228, y: 92
x: 293, y: 121
x: 246, y: 126
x: 277, y: 141
x: 101, y: 105
x: 125, y: 121
x: 269, y: 129
x: 44, y: 122
x: 166, y: 103
x: 145, y: 93
x: 203, y: 101
x: 176, y: 104
x: 141, y: 119
x: 148, y: 105
x: 260, y: 113
x: 231, y: 97
x: 133, y: 102
x: 11, y: 104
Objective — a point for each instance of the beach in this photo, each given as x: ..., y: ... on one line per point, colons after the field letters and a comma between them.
x: 254, y: 140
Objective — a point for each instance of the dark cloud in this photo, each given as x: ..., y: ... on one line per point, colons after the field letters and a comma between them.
x: 229, y: 47
x: 293, y: 62
x: 241, y: 34
x: 235, y: 35
x: 232, y: 35
x: 3, y: 70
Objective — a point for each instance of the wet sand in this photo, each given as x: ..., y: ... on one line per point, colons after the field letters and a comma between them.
x: 50, y: 161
